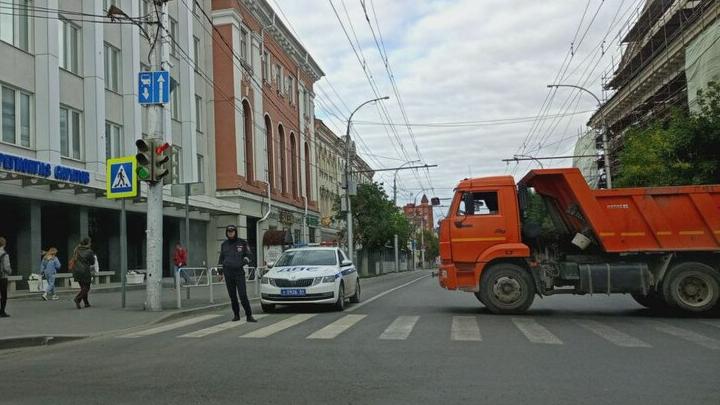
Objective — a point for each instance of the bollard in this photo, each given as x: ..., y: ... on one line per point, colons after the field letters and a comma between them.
x: 177, y: 288
x: 210, y: 284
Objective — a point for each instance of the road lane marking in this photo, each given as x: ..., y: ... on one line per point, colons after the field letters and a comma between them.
x: 170, y: 326
x: 535, y: 332
x: 278, y: 326
x: 382, y: 294
x: 218, y: 328
x: 400, y: 329
x: 465, y: 328
x: 688, y: 335
x: 332, y: 330
x: 609, y: 333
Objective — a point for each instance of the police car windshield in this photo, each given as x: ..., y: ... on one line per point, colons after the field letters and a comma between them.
x: 308, y: 258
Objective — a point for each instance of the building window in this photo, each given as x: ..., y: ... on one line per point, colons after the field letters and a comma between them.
x: 244, y: 45
x: 70, y: 133
x: 278, y: 76
x: 175, y: 167
x: 15, y: 117
x: 201, y: 168
x: 265, y: 65
x: 196, y: 51
x: 69, y: 42
x: 173, y: 37
x: 175, y: 103
x: 290, y: 88
x: 198, y: 113
x: 14, y: 23
x: 113, y: 140
x: 112, y: 68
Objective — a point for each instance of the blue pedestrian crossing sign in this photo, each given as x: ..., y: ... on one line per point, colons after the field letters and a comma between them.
x: 154, y: 87
x: 120, y: 181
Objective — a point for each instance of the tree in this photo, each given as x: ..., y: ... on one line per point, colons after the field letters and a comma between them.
x: 432, y: 245
x: 375, y: 218
x: 681, y: 150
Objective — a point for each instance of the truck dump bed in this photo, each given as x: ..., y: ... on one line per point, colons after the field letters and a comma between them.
x: 684, y: 218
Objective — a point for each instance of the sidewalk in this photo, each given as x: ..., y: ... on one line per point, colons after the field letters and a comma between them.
x: 33, y: 317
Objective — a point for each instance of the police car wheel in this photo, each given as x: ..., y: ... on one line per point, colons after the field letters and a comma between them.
x: 356, y: 297
x: 340, y: 303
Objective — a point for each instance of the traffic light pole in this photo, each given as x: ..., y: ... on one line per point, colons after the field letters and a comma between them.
x: 154, y: 232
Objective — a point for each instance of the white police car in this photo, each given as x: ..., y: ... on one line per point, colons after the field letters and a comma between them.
x: 316, y: 275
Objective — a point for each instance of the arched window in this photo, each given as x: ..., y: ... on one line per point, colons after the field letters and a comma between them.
x: 308, y: 185
x: 293, y: 162
x: 283, y: 154
x: 247, y: 121
x: 270, y: 161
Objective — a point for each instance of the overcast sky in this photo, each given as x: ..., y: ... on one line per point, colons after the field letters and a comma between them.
x: 475, y: 61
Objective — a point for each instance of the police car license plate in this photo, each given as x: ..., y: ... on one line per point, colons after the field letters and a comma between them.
x: 292, y: 292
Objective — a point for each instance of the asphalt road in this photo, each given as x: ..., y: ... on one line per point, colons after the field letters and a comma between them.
x: 415, y: 344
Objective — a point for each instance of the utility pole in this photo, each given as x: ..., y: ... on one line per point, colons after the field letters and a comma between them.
x: 606, y: 149
x: 154, y: 233
x: 348, y: 166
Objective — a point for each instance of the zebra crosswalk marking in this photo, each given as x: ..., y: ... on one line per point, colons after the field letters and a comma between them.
x: 278, y: 326
x: 400, y: 329
x: 611, y: 334
x: 170, y: 326
x: 332, y: 330
x: 218, y: 328
x: 690, y: 336
x: 465, y: 328
x: 535, y: 332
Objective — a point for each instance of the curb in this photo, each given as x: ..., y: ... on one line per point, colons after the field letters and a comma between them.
x: 17, y: 342
x: 66, y: 292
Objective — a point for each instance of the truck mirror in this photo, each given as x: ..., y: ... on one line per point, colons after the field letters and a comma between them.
x: 435, y: 201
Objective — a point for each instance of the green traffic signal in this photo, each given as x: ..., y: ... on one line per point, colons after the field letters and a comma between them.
x: 143, y: 173
x: 144, y: 159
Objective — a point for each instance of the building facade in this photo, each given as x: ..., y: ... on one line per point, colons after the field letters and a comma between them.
x: 70, y: 101
x: 264, y: 130
x: 420, y: 215
x: 330, y: 169
x: 652, y: 75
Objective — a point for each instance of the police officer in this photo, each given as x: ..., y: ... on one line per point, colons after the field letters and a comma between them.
x: 234, y: 254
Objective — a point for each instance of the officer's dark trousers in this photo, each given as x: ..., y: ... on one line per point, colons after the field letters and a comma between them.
x: 235, y: 283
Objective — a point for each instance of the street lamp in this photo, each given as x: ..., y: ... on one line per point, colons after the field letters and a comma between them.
x: 395, y: 179
x: 347, y: 176
x: 529, y: 157
x: 606, y: 150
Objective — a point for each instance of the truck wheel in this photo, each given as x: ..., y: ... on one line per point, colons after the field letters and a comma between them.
x: 506, y: 289
x: 477, y: 295
x: 692, y: 287
x: 652, y: 300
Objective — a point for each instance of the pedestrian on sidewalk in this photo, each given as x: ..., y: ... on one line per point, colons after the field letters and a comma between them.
x: 5, y: 272
x: 49, y: 267
x: 234, y: 254
x: 82, y: 264
x: 180, y: 260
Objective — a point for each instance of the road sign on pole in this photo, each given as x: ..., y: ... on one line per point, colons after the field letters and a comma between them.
x: 120, y: 179
x: 154, y: 87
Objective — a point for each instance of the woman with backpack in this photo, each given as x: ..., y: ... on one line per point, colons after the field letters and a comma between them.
x: 49, y: 267
x: 82, y: 264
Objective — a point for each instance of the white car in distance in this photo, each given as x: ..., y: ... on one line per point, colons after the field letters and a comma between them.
x: 312, y: 275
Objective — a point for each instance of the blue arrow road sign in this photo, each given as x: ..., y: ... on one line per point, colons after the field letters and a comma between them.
x: 161, y: 84
x: 154, y: 87
x: 145, y: 88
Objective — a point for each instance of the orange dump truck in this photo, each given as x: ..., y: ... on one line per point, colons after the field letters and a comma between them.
x: 661, y: 245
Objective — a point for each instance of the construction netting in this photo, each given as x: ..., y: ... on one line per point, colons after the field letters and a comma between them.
x: 702, y: 62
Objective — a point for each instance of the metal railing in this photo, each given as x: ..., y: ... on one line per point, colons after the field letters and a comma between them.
x: 207, y: 277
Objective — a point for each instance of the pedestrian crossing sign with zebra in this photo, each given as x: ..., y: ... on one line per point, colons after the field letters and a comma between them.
x: 120, y: 181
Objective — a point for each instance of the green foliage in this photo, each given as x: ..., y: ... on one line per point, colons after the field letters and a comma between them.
x: 683, y: 150
x: 375, y: 218
x: 432, y: 245
x: 537, y: 213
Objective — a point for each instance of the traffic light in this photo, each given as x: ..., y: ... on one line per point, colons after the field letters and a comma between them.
x: 144, y: 159
x: 160, y: 161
